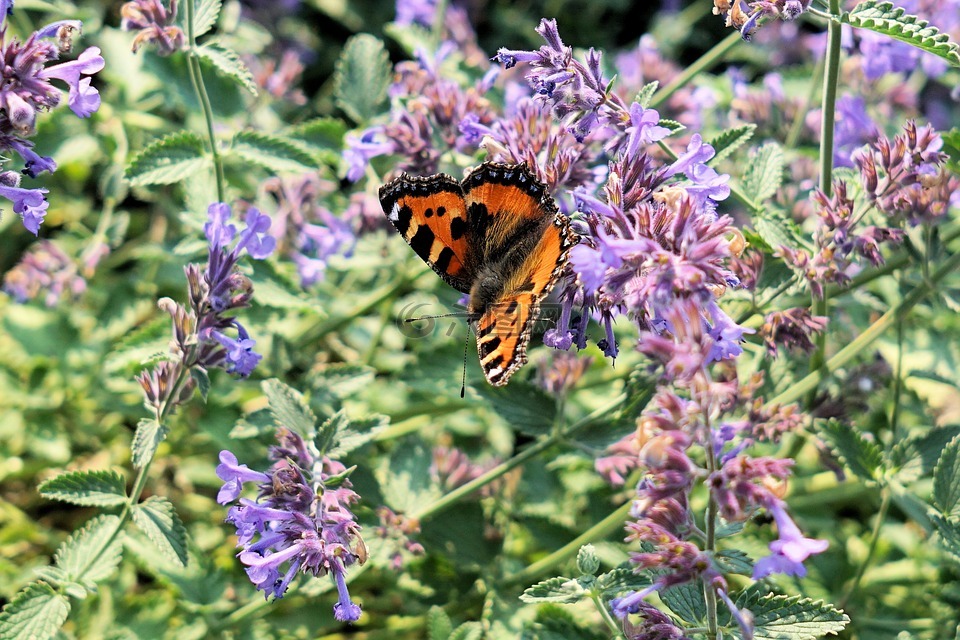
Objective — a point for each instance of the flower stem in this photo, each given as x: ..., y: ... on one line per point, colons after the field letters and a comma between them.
x: 831, y: 80
x: 874, y: 538
x: 598, y: 531
x: 464, y: 490
x: 707, y: 61
x: 861, y: 342
x: 607, y: 618
x: 196, y: 79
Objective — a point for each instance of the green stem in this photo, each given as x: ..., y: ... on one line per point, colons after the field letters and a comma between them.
x: 545, y: 443
x: 831, y: 80
x: 598, y: 531
x: 710, y: 545
x: 607, y: 618
x: 707, y: 61
x: 861, y: 342
x: 874, y: 538
x: 196, y: 79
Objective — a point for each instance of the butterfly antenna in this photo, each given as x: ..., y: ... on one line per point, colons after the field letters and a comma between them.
x: 466, y: 343
x: 444, y: 315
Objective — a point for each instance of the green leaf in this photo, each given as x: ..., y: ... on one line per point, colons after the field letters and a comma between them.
x: 863, y: 457
x: 525, y: 408
x: 92, y: 552
x: 729, y: 140
x: 468, y: 631
x: 158, y: 519
x: 949, y: 530
x: 408, y: 36
x: 946, y: 480
x: 587, y: 561
x: 734, y: 561
x: 202, y: 378
x: 562, y: 590
x: 288, y: 407
x: 764, y: 173
x: 168, y: 160
x: 359, y: 432
x: 87, y: 488
x: 686, y: 600
x: 325, y: 133
x: 439, y: 626
x: 645, y: 95
x: 273, y: 153
x: 228, y: 63
x: 341, y: 380
x: 36, y: 612
x: 148, y: 437
x: 776, y: 231
x: 205, y: 16
x: 790, y: 617
x: 405, y: 478
x: 917, y: 455
x: 362, y: 76
x: 885, y: 18
x: 622, y: 579
x: 327, y: 433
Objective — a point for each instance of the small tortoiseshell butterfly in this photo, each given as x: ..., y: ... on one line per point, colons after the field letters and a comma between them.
x: 496, y: 235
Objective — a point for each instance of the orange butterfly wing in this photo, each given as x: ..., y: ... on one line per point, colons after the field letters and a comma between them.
x: 524, y: 242
x: 431, y: 215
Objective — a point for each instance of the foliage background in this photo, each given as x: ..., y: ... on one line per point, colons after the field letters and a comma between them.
x: 68, y: 400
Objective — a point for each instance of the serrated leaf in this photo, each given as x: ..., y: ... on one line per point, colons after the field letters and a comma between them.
x: 205, y: 16
x: 622, y: 579
x: 672, y: 125
x: 790, y: 617
x: 202, y: 378
x: 863, y: 457
x: 917, y: 456
x: 327, y: 433
x: 734, y: 561
x: 526, y: 408
x: 92, y: 552
x: 774, y: 232
x: 87, y: 488
x: 362, y: 76
x: 288, y: 407
x: 764, y: 173
x: 273, y: 153
x: 686, y: 600
x: 360, y: 432
x: 439, y: 626
x: 36, y: 612
x: 158, y: 519
x: 405, y: 478
x: 946, y: 480
x: 324, y: 134
x: 885, y: 18
x: 559, y: 589
x: 148, y: 437
x: 729, y: 140
x: 168, y: 160
x: 646, y: 92
x: 468, y: 631
x: 949, y: 530
x: 228, y: 63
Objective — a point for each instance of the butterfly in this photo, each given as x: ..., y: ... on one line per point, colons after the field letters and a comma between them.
x: 496, y: 235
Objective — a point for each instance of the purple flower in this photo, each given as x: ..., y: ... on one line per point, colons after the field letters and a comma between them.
x: 421, y: 12
x: 154, y: 24
x: 240, y: 356
x: 360, y: 149
x: 45, y: 272
x: 29, y: 204
x: 298, y: 524
x: 83, y: 99
x: 234, y: 475
x: 790, y: 550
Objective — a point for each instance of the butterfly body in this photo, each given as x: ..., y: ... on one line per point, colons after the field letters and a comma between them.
x: 497, y: 236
